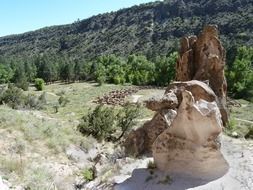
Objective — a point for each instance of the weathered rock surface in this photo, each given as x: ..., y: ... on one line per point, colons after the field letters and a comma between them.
x: 141, y: 140
x: 183, y: 136
x: 191, y: 138
x: 203, y: 58
x: 167, y: 101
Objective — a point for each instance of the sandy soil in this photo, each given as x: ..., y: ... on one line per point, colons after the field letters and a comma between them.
x: 136, y: 98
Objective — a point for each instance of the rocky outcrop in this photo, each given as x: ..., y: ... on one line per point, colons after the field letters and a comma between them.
x: 191, y: 138
x: 141, y: 140
x: 183, y: 132
x: 203, y: 58
x: 183, y: 136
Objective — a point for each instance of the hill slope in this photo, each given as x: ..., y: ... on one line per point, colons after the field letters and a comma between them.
x: 149, y: 29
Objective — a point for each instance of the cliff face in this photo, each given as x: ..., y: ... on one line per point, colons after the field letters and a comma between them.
x: 150, y: 29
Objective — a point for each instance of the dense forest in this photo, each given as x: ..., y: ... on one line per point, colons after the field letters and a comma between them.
x: 135, y: 69
x: 150, y: 29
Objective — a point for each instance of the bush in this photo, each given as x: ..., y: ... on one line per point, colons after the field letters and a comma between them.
x: 23, y: 85
x: 249, y: 135
x: 39, y: 84
x: 16, y: 99
x: 88, y: 174
x: 151, y: 165
x: 103, y: 121
x: 63, y: 101
x: 32, y: 102
x: 42, y: 98
x: 13, y: 97
x: 99, y: 123
x: 126, y: 118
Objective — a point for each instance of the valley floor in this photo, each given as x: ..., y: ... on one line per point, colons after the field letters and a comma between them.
x: 42, y: 150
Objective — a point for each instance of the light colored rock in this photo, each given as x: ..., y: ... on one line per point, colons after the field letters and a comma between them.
x: 199, y: 90
x: 2, y: 185
x: 198, y: 121
x: 235, y: 134
x: 141, y: 140
x: 166, y: 101
x: 191, y: 139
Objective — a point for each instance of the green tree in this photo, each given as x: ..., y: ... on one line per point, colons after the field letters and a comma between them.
x: 98, y: 122
x: 165, y: 69
x: 117, y: 73
x: 39, y: 84
x: 140, y: 70
x: 67, y: 71
x: 19, y: 77
x: 77, y: 71
x: 86, y: 71
x: 100, y: 73
x: 46, y: 67
x: 30, y: 70
x: 126, y: 118
x: 240, y: 74
x: 6, y: 73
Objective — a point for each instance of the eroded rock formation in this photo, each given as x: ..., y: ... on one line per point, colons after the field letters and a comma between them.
x: 183, y: 136
x: 166, y: 106
x: 141, y: 140
x: 191, y: 138
x: 203, y: 58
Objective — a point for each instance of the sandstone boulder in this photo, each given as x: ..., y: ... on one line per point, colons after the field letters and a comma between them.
x: 190, y: 144
x: 141, y: 140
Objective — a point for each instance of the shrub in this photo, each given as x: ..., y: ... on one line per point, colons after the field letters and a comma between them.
x: 151, y: 165
x: 88, y: 174
x: 16, y: 99
x: 32, y: 102
x: 63, y: 101
x: 103, y: 121
x: 23, y: 85
x: 42, y: 98
x: 249, y: 135
x: 13, y: 97
x: 126, y: 118
x: 38, y: 178
x: 232, y: 126
x: 99, y: 123
x: 10, y: 165
x: 39, y: 84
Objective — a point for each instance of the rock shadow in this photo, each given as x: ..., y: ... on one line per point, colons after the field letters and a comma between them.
x: 153, y: 179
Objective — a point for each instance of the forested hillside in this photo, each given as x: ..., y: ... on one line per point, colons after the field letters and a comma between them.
x: 150, y: 29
